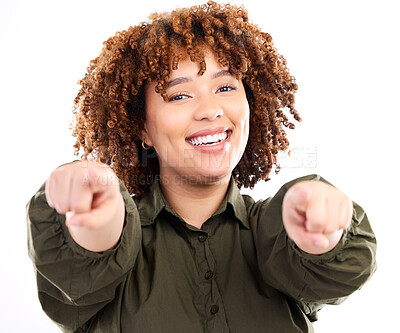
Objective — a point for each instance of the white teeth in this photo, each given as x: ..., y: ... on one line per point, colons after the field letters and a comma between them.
x: 209, y: 139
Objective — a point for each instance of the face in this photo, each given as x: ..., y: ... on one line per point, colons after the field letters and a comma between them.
x: 201, y: 131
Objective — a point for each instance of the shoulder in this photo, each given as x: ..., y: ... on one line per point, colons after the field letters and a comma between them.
x: 254, y: 208
x: 271, y: 206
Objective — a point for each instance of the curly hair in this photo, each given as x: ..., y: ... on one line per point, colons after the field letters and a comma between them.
x: 109, y: 110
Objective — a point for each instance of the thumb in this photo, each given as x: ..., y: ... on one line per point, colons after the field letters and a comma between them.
x: 87, y: 220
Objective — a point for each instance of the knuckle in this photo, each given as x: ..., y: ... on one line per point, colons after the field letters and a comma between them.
x: 319, y: 223
x: 330, y: 229
x: 52, y: 179
x: 79, y: 207
x: 61, y: 208
x: 344, y: 225
x: 316, y: 225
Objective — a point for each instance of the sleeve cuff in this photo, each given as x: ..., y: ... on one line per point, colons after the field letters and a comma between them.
x: 324, y: 257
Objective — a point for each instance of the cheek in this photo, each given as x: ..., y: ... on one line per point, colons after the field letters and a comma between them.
x: 242, y: 115
x: 166, y: 127
x: 243, y: 121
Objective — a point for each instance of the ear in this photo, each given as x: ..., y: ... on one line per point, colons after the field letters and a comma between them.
x: 144, y: 136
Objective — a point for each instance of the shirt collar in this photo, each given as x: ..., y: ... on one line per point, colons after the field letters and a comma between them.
x: 153, y: 202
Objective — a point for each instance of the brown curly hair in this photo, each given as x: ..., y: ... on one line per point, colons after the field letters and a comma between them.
x: 109, y: 110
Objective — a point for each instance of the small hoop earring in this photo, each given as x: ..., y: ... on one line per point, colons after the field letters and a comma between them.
x: 144, y: 146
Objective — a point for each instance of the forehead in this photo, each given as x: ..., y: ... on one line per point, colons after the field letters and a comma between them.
x: 209, y: 65
x: 184, y: 68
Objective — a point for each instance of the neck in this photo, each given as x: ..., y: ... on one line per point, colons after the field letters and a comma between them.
x: 194, y: 201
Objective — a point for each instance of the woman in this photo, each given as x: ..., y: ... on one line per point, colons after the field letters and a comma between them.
x: 181, y: 112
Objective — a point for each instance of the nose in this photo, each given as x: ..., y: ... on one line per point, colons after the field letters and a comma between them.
x: 208, y: 108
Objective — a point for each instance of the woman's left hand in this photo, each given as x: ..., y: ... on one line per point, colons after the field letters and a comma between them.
x: 315, y: 214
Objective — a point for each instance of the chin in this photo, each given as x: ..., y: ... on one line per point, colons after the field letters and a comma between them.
x: 212, y: 176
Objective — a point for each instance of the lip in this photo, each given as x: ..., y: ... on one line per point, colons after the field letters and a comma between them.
x: 209, y: 131
x: 223, y: 146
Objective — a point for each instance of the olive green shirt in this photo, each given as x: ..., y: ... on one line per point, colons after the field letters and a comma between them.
x: 239, y: 273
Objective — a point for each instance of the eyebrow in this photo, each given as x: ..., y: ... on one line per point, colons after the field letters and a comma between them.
x: 185, y: 79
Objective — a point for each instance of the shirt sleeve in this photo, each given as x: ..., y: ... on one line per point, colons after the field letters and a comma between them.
x: 313, y: 280
x: 73, y: 283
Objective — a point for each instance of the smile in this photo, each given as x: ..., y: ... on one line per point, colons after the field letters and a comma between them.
x: 209, y: 140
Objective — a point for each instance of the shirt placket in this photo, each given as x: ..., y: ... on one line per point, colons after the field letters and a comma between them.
x: 213, y: 305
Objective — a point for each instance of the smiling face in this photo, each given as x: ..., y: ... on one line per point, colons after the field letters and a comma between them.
x: 201, y: 131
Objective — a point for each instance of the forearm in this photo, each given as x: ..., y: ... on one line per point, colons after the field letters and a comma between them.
x: 309, y: 277
x: 68, y: 275
x: 68, y: 267
x: 343, y: 270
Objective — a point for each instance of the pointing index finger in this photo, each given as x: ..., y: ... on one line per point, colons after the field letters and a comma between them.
x: 301, y: 197
x: 99, y: 180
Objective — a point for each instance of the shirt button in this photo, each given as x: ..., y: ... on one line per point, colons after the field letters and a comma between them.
x: 214, y: 309
x: 202, y: 238
x: 209, y: 275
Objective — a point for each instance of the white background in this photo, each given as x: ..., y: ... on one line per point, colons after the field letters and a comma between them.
x: 345, y: 57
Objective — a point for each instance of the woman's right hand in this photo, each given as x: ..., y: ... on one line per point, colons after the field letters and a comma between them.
x: 88, y: 193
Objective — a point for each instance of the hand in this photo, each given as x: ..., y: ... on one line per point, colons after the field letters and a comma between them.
x: 86, y: 191
x: 314, y: 215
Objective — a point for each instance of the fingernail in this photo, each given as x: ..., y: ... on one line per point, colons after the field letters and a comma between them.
x: 74, y: 223
x: 320, y: 244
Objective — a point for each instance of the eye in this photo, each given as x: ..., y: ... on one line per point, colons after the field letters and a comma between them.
x: 226, y: 88
x: 177, y: 97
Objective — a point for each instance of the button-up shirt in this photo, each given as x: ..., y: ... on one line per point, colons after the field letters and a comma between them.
x: 239, y: 273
